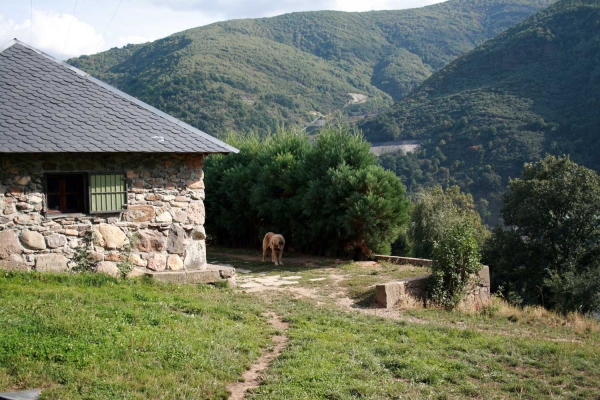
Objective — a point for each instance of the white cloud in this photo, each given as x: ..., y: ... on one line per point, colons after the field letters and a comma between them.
x: 54, y: 33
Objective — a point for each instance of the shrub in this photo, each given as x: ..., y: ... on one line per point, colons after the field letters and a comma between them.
x: 455, y: 258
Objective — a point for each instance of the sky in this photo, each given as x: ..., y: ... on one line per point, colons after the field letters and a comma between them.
x: 69, y: 28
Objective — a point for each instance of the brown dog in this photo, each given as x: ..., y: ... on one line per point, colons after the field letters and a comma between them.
x: 275, y: 242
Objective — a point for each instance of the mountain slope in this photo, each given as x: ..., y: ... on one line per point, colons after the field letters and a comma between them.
x: 531, y: 90
x: 258, y: 73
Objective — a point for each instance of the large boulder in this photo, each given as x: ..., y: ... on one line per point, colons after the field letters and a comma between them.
x: 150, y: 241
x: 109, y: 236
x: 9, y: 244
x: 33, y: 240
x: 55, y: 240
x: 51, y: 263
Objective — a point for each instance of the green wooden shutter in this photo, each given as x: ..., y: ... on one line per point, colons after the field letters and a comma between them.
x: 108, y: 193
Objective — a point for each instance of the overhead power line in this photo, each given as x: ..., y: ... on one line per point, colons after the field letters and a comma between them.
x: 69, y: 31
x: 107, y: 26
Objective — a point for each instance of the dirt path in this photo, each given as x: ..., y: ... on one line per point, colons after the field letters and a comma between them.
x: 307, y: 260
x: 252, y: 376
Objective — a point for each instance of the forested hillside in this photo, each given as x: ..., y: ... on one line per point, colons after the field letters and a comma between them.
x: 258, y: 73
x: 534, y: 89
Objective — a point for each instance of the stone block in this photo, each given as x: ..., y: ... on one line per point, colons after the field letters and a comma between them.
x: 55, y: 241
x: 109, y: 268
x: 195, y: 184
x: 194, y: 161
x: 139, y: 213
x: 113, y: 256
x: 158, y: 262
x: 135, y: 259
x: 406, y: 293
x: 136, y: 272
x: 203, y: 276
x: 51, y: 263
x: 196, y: 212
x: 226, y: 272
x: 164, y: 217
x: 195, y: 255
x: 9, y: 244
x: 95, y: 256
x: 176, y: 240
x: 178, y: 277
x: 33, y: 240
x: 178, y: 214
x: 174, y: 263
x: 10, y: 265
x: 109, y: 236
x: 150, y: 241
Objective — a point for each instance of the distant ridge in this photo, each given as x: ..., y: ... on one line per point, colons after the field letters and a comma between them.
x: 533, y: 89
x: 260, y: 73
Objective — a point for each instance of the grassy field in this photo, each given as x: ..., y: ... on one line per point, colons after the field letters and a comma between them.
x: 87, y: 336
x: 91, y: 336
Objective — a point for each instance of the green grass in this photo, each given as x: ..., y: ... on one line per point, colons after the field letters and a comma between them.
x: 340, y: 355
x: 94, y: 337
x: 91, y: 336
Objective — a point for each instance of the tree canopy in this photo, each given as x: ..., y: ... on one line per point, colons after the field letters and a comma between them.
x: 326, y: 198
x: 549, y: 251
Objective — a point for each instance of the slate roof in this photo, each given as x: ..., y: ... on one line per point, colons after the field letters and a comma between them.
x: 48, y: 106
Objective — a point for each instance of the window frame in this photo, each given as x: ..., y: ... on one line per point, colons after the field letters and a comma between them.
x: 86, y: 194
x: 125, y: 192
x: 84, y: 199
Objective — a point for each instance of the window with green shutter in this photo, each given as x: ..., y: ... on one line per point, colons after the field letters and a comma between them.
x: 108, y: 193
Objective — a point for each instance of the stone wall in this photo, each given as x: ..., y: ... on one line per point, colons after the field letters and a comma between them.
x: 412, y: 292
x: 161, y: 229
x: 421, y: 262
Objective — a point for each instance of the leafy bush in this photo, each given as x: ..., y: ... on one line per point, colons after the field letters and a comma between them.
x: 455, y: 258
x: 437, y: 210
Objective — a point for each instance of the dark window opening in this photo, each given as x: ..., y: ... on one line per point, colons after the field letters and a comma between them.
x: 65, y: 193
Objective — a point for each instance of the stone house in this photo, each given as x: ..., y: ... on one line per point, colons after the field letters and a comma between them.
x: 87, y: 169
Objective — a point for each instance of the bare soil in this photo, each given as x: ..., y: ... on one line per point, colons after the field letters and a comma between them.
x: 251, y: 378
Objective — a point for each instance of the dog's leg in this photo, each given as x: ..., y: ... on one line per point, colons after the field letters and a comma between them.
x: 280, y: 255
x: 265, y: 250
x: 273, y: 256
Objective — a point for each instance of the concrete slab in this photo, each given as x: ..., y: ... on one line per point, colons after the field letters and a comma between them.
x: 250, y: 285
x: 317, y: 279
x: 23, y: 395
x: 211, y: 274
x: 203, y: 276
x: 293, y: 278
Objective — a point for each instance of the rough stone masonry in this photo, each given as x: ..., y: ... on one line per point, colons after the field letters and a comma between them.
x: 161, y: 229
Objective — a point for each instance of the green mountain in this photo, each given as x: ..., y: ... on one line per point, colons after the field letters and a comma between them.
x: 259, y: 73
x: 531, y: 90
